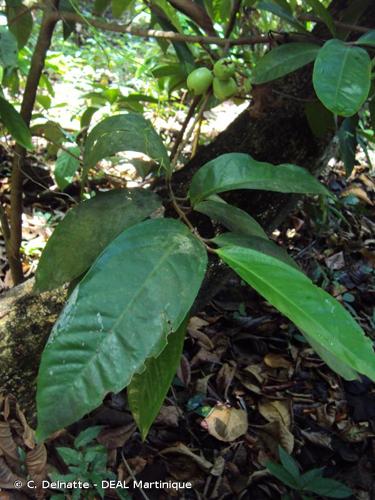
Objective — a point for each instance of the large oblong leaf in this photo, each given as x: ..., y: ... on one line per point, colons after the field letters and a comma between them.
x: 263, y: 245
x: 283, y: 60
x: 15, y: 124
x: 148, y: 389
x: 240, y: 171
x: 367, y: 39
x: 231, y: 217
x: 86, y: 230
x: 342, y: 77
x: 125, y: 132
x: 137, y: 292
x: 323, y: 14
x: 312, y: 309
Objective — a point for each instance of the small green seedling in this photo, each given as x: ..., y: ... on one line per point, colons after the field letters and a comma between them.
x: 87, y: 462
x: 309, y: 484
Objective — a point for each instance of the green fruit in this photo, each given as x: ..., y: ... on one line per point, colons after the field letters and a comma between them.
x: 224, y: 69
x: 199, y: 80
x: 223, y: 89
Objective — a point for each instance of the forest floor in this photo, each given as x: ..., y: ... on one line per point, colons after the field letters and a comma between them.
x: 242, y: 360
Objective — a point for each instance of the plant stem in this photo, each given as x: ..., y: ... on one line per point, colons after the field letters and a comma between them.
x: 36, y: 67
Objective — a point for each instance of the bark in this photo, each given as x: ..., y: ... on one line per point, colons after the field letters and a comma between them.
x: 25, y: 323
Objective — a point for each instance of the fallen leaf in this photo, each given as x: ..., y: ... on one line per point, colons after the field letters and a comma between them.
x: 116, y: 437
x: 276, y: 411
x: 358, y: 192
x: 36, y: 462
x: 274, y: 434
x: 182, y: 449
x: 276, y: 361
x: 7, y: 444
x: 226, y: 423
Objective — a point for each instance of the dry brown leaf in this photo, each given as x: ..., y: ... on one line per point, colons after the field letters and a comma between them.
x: 318, y: 438
x: 116, y: 437
x: 276, y: 361
x: 226, y: 423
x: 7, y: 444
x: 36, y: 463
x: 358, y: 192
x: 28, y: 434
x: 182, y: 449
x: 7, y: 477
x: 276, y: 411
x: 168, y: 415
x: 274, y: 434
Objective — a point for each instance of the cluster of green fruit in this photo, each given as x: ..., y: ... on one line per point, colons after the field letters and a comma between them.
x: 221, y: 79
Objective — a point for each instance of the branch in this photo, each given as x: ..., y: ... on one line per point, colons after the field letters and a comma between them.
x: 27, y: 106
x: 232, y: 20
x: 166, y: 35
x: 196, y: 13
x: 339, y: 24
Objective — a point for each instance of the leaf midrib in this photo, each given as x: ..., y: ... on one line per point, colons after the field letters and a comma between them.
x: 111, y: 331
x: 300, y: 310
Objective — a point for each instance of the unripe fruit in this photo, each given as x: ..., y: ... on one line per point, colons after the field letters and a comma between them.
x: 223, y: 89
x: 224, y: 69
x: 199, y: 80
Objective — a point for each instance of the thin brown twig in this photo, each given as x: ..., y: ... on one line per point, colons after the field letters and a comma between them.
x: 182, y: 130
x: 339, y: 24
x: 232, y: 20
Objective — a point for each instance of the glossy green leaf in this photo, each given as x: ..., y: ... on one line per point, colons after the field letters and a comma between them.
x: 260, y: 244
x: 338, y: 366
x: 330, y: 488
x: 100, y: 6
x: 319, y: 9
x: 320, y: 119
x: 281, y: 13
x: 367, y: 39
x: 347, y: 136
x: 126, y: 132
x: 66, y: 167
x: 283, y: 60
x: 120, y: 6
x: 312, y: 309
x: 170, y: 12
x: 282, y: 475
x: 240, y: 171
x: 87, y: 436
x: 15, y: 124
x: 231, y: 217
x: 147, y: 390
x: 342, y: 77
x: 86, y: 230
x: 20, y: 23
x: 8, y: 48
x: 289, y: 463
x: 137, y: 292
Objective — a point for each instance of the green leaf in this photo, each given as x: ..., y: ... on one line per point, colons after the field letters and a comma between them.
x: 87, y: 116
x: 342, y: 77
x: 120, y: 6
x: 170, y: 12
x: 70, y: 456
x: 319, y: 9
x: 337, y: 365
x: 8, y: 49
x: 66, y: 166
x: 348, y: 142
x: 312, y: 309
x: 330, y: 488
x: 289, y: 464
x: 87, y: 436
x: 320, y: 119
x: 20, y: 23
x: 282, y: 475
x: 15, y: 124
x: 126, y: 132
x: 138, y: 291
x: 100, y: 6
x: 259, y: 244
x: 282, y: 13
x: 283, y: 60
x: 148, y: 389
x: 231, y: 217
x: 367, y: 39
x: 310, y: 476
x: 240, y: 171
x: 86, y: 230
